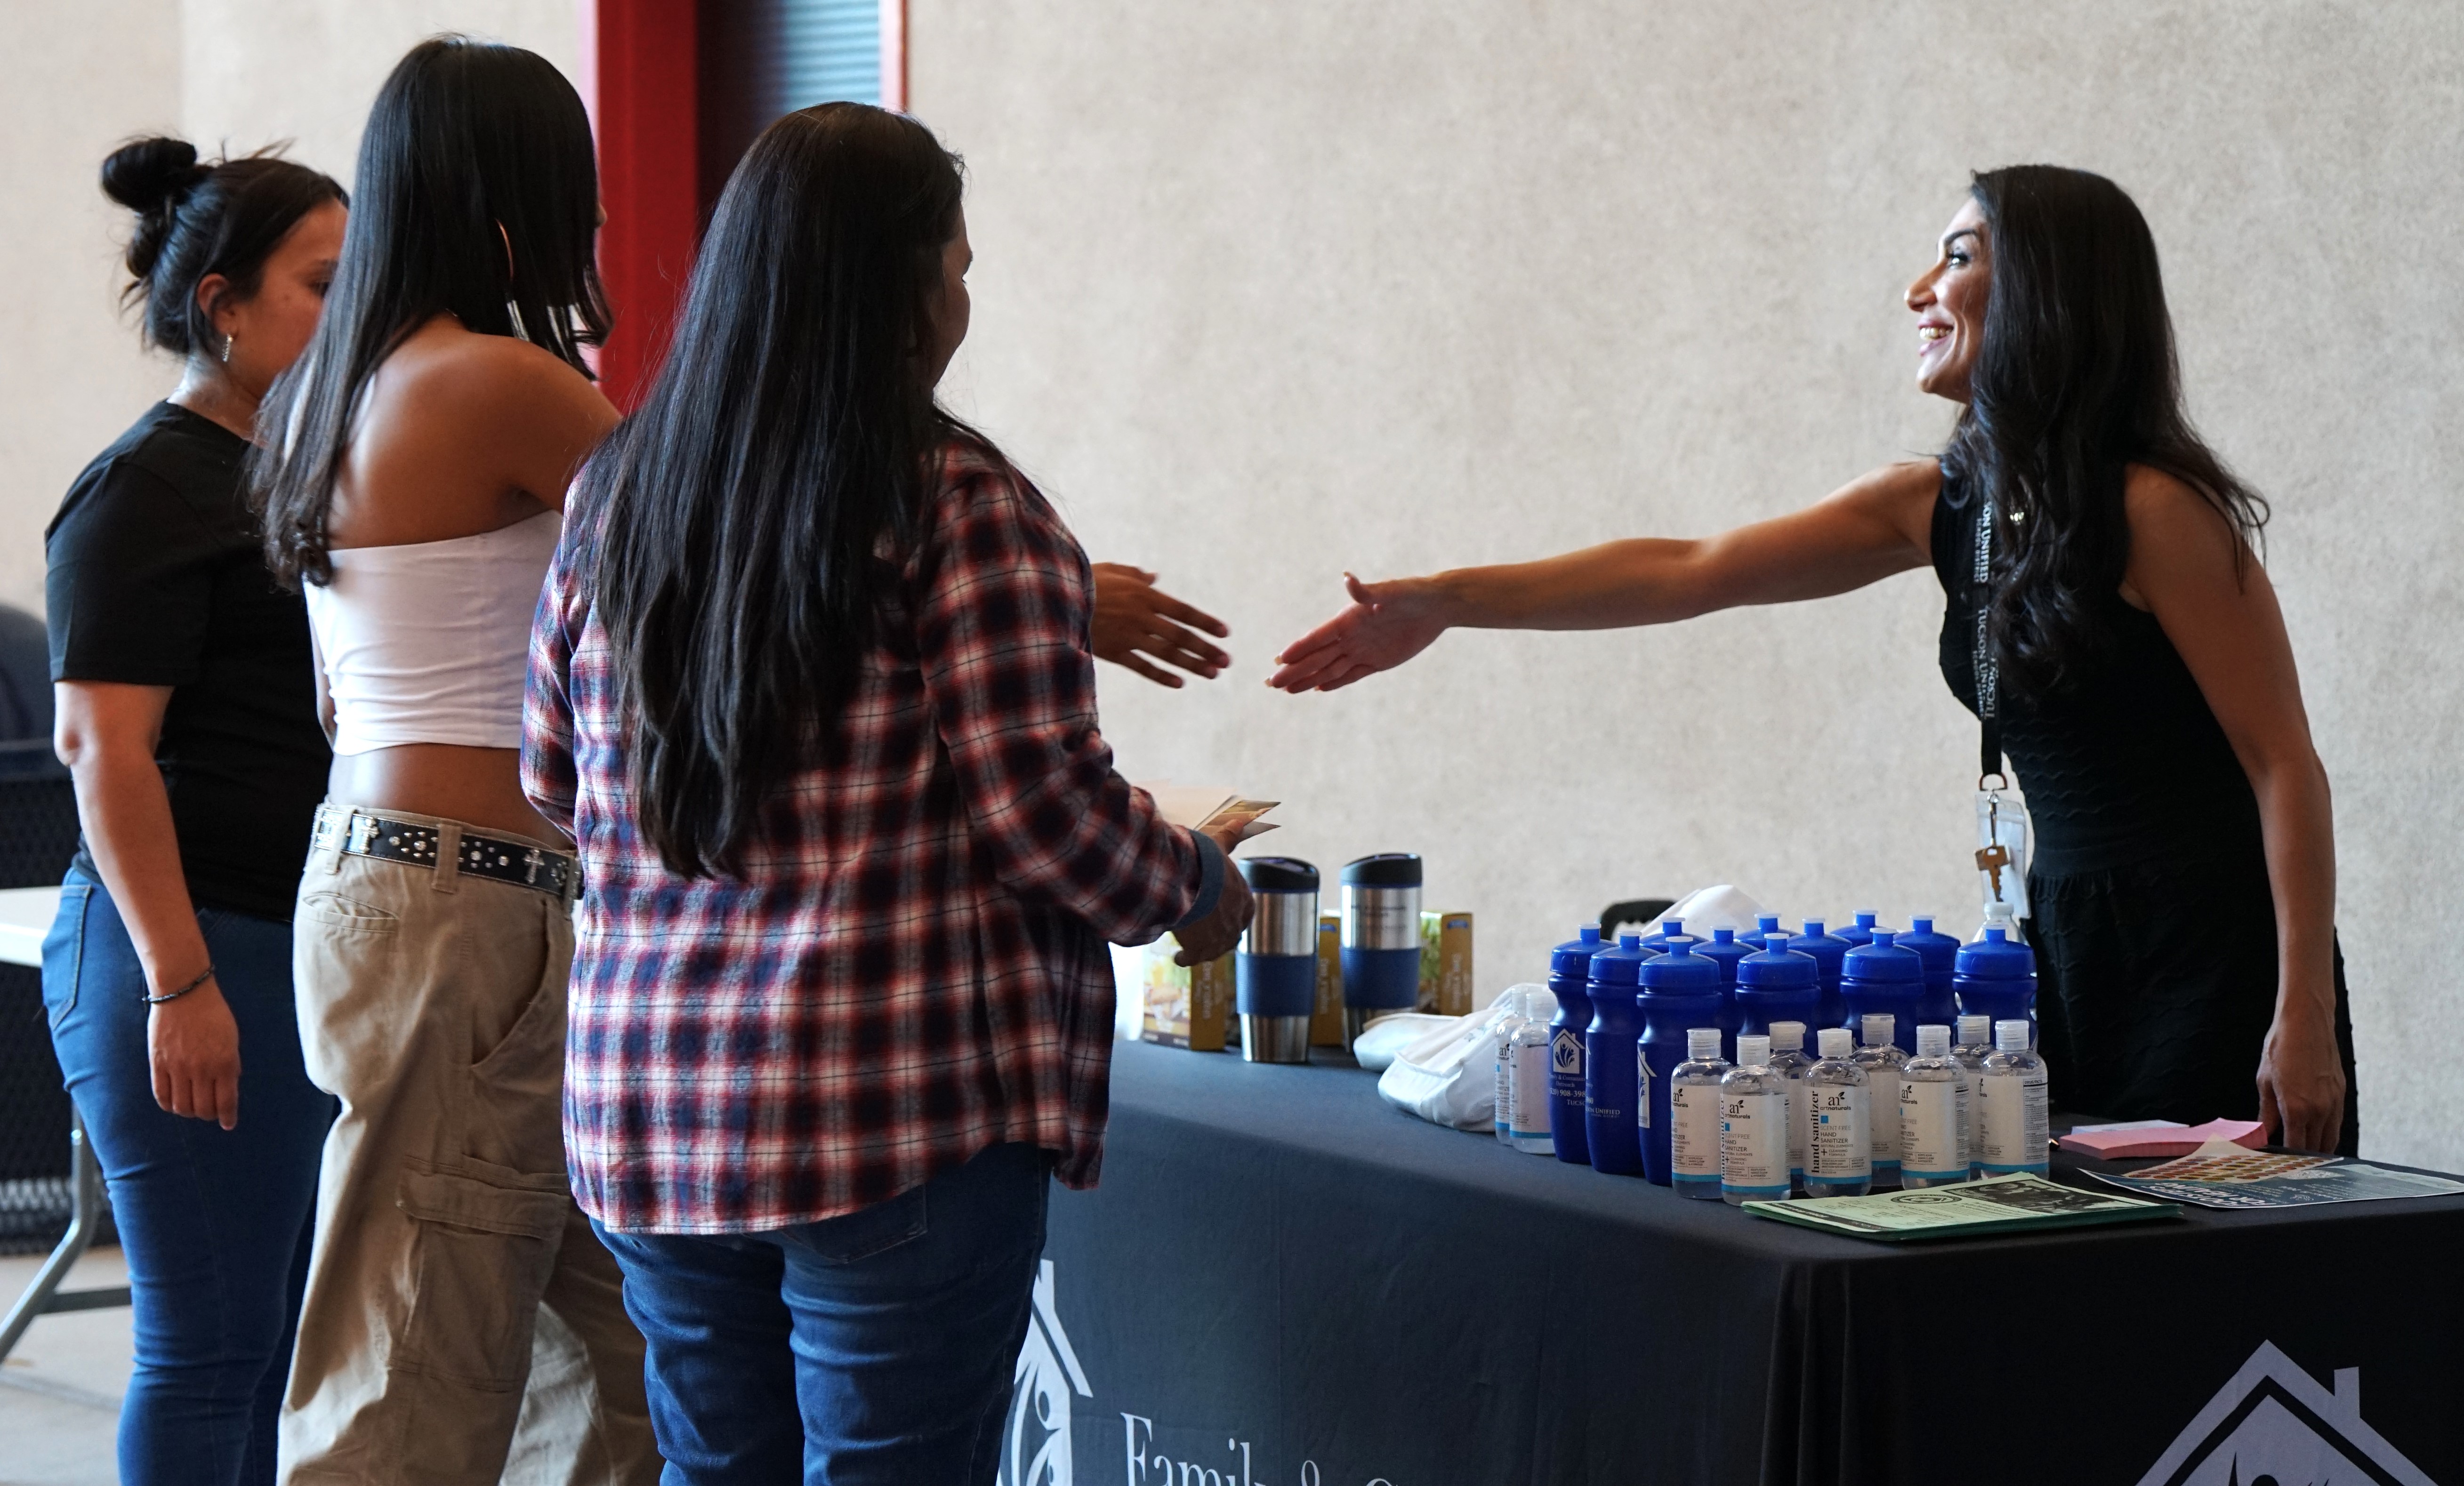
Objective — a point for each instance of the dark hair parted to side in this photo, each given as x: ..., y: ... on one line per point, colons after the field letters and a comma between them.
x: 478, y: 197
x: 744, y: 526
x: 197, y: 219
x: 2075, y: 380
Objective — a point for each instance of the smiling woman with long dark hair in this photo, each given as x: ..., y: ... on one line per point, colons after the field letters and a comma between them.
x: 812, y: 689
x: 2183, y: 891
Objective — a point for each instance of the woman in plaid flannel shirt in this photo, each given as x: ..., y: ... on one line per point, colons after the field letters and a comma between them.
x: 812, y: 689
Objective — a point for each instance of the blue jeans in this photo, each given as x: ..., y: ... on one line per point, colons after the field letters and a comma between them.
x: 214, y: 1222
x: 873, y: 1350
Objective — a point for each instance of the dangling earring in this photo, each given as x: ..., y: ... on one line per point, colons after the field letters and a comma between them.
x: 227, y: 345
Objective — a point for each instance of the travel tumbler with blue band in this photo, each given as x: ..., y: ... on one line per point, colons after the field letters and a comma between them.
x: 1381, y: 938
x: 1274, y: 977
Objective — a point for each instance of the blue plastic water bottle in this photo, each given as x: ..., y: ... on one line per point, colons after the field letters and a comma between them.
x: 1828, y: 951
x: 1881, y: 976
x: 1765, y: 925
x: 1997, y: 978
x: 1939, y: 1005
x: 1681, y: 991
x: 1569, y: 970
x: 1863, y: 931
x: 1776, y: 984
x: 1672, y: 933
x: 1724, y: 950
x: 1608, y: 1059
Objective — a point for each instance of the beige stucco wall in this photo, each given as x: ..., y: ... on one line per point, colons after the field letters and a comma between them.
x: 83, y: 75
x: 1267, y: 291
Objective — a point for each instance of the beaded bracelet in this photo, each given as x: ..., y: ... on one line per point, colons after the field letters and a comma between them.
x: 156, y: 1001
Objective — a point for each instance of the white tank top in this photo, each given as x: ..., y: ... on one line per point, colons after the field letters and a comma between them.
x: 429, y: 642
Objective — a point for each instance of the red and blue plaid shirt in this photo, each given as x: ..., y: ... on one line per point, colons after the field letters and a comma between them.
x: 913, y: 965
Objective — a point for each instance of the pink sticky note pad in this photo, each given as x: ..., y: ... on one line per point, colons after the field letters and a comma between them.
x: 2121, y: 1144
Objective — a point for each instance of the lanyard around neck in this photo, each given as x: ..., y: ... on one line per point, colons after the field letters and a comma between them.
x: 1989, y: 676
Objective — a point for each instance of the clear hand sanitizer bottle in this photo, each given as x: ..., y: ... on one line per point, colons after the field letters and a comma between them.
x: 1524, y: 1096
x: 1788, y: 1061
x: 1969, y: 1053
x: 1839, y: 1150
x: 1694, y: 1115
x: 1517, y: 1011
x: 1882, y: 1060
x: 1754, y: 1126
x: 2011, y: 1104
x: 1931, y: 1151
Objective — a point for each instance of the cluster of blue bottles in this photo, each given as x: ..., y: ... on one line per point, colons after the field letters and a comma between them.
x: 1649, y: 1002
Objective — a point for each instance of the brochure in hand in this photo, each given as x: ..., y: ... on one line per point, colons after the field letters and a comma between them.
x: 2222, y: 1175
x: 2000, y: 1205
x: 1206, y: 808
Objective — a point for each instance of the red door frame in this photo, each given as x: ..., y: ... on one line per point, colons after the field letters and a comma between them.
x: 642, y: 82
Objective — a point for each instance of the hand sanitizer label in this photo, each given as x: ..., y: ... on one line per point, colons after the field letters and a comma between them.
x: 1882, y: 1103
x: 1753, y: 1144
x: 1839, y: 1148
x: 1930, y: 1145
x: 2011, y: 1123
x: 1800, y: 1123
x: 1694, y: 1132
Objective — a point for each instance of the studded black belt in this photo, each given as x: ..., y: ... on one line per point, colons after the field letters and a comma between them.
x: 359, y: 833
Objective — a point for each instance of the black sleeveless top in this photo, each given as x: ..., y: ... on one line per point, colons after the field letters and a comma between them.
x: 2127, y: 766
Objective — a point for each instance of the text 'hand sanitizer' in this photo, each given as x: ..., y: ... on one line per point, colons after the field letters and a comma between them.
x: 1694, y: 1135
x: 1839, y: 1150
x: 1754, y: 1126
x: 1931, y: 1150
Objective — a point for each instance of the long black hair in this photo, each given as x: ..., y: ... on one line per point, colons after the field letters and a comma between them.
x: 479, y: 199
x: 196, y: 219
x: 746, y: 522
x: 2075, y: 381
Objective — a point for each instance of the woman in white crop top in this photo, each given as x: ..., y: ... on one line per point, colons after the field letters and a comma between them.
x: 411, y: 481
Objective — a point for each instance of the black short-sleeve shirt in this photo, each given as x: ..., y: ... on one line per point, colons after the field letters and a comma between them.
x: 156, y: 578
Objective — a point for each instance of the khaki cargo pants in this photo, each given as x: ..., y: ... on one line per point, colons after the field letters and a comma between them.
x: 448, y: 1245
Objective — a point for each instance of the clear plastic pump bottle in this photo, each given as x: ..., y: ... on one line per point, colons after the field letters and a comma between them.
x: 2011, y: 1104
x: 1523, y: 1085
x: 1969, y: 1053
x: 1931, y: 1150
x: 1694, y: 1140
x: 1882, y: 1060
x: 1517, y: 1011
x: 1839, y: 1147
x: 1754, y: 1126
x: 1789, y: 1062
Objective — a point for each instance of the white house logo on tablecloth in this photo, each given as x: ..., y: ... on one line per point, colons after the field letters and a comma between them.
x: 1035, y: 1444
x: 2274, y: 1424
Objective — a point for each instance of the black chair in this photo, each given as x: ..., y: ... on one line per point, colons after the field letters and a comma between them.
x: 1641, y: 911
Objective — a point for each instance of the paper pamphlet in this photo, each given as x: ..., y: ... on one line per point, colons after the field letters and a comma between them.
x: 2221, y: 1175
x: 2161, y: 1138
x: 1203, y: 807
x: 1998, y: 1204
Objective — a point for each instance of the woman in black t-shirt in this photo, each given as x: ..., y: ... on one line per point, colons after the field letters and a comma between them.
x: 187, y: 710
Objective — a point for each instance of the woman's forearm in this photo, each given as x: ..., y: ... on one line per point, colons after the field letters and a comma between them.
x: 1637, y: 581
x: 2297, y: 820
x: 126, y: 816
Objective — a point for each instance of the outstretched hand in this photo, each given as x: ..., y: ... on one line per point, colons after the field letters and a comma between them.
x: 1131, y: 615
x: 1386, y: 624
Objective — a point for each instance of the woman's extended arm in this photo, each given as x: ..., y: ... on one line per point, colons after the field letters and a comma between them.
x: 1875, y: 525
x: 2221, y: 615
x: 106, y: 734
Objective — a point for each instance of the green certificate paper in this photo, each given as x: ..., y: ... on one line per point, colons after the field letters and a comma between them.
x: 2001, y: 1204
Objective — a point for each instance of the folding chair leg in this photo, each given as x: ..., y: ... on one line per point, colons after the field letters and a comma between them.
x: 85, y: 1216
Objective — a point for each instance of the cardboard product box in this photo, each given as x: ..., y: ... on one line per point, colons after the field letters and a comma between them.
x: 1187, y: 1006
x: 1454, y: 964
x: 1326, y: 1017
x: 1432, y: 955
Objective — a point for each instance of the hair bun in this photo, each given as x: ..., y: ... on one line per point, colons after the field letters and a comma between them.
x: 147, y: 175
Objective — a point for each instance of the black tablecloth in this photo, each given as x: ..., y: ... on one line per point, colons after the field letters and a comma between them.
x: 1281, y: 1279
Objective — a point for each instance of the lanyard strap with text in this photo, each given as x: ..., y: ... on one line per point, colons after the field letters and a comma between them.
x: 1989, y: 679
